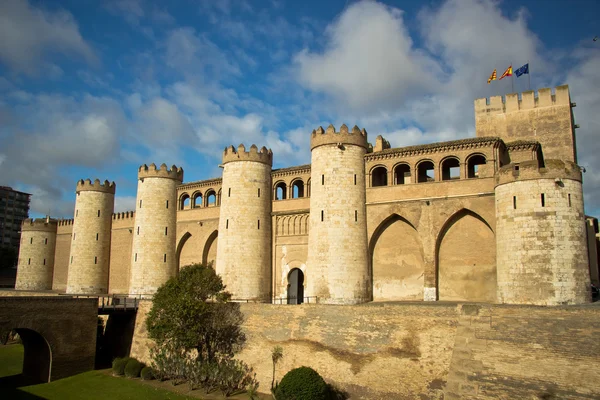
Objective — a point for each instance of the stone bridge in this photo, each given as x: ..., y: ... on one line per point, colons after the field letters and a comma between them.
x: 58, y: 333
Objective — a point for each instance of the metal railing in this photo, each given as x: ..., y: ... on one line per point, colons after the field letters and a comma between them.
x: 294, y: 300
x: 112, y: 302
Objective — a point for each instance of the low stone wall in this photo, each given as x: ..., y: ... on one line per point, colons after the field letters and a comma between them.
x: 374, y: 351
x: 520, y: 352
x: 425, y: 350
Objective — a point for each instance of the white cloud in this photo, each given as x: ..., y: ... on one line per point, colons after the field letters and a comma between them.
x: 30, y: 34
x: 585, y: 71
x: 47, y: 135
x: 369, y: 60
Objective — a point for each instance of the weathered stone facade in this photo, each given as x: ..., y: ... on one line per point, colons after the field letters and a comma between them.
x: 153, y: 255
x: 374, y: 223
x: 244, y: 246
x: 404, y: 350
x: 36, y: 254
x: 91, y: 237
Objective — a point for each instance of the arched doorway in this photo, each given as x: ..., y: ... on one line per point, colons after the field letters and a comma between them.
x: 295, y: 289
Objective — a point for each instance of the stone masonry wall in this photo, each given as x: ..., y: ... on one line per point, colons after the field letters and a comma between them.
x: 424, y: 350
x: 153, y: 254
x: 36, y: 256
x: 546, y: 118
x: 90, y: 242
x: 525, y: 352
x: 337, y: 269
x: 61, y: 257
x: 244, y: 245
x: 541, y: 249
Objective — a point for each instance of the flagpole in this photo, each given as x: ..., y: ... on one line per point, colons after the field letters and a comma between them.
x: 512, y: 79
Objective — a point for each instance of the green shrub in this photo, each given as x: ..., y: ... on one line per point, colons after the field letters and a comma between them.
x: 118, y: 365
x: 133, y: 368
x: 147, y: 373
x: 302, y: 383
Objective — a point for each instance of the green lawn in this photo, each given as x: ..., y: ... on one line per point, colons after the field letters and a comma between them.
x: 89, y: 385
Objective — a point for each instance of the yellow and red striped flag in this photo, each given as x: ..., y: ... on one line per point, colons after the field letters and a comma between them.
x: 506, y: 73
x: 492, y: 77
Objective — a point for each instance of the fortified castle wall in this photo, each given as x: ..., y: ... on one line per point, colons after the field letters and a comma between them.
x: 91, y: 237
x: 329, y: 231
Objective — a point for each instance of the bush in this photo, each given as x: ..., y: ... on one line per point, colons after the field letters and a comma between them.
x: 118, y: 365
x: 147, y: 373
x: 133, y: 368
x: 302, y: 383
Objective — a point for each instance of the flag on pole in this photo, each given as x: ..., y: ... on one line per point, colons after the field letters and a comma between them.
x: 522, y: 70
x: 506, y: 73
x: 492, y: 77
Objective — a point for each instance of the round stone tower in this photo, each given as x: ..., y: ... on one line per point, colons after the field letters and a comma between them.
x: 337, y: 267
x: 541, y: 243
x: 244, y: 247
x: 154, y: 253
x: 90, y: 241
x: 36, y: 254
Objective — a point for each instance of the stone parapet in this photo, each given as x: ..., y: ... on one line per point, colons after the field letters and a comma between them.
x: 96, y: 186
x: 149, y: 171
x: 264, y: 156
x: 39, y: 224
x: 524, y: 101
x: 527, y: 170
x: 356, y: 136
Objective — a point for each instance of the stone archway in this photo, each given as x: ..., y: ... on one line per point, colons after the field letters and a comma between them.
x: 209, y: 254
x: 37, y: 357
x: 397, y: 262
x: 466, y: 259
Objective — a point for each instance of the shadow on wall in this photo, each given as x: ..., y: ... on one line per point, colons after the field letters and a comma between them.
x: 114, y: 339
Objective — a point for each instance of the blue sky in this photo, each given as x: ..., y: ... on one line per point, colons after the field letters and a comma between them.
x: 93, y: 89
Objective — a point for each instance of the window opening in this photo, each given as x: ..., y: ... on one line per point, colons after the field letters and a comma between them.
x: 450, y: 169
x: 425, y: 172
x: 402, y: 174
x: 569, y: 199
x: 515, y: 202
x: 379, y: 177
x: 474, y: 164
x: 322, y: 215
x: 165, y: 258
x: 543, y: 197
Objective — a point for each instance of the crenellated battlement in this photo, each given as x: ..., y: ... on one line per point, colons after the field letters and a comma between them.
x: 524, y: 101
x: 96, y: 186
x: 123, y: 215
x: 356, y: 136
x: 533, y: 169
x: 151, y: 171
x: 65, y: 222
x: 39, y: 224
x: 264, y: 156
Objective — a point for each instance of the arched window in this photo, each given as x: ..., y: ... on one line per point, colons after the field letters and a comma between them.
x: 379, y: 176
x: 473, y: 164
x: 425, y: 172
x: 184, y: 201
x: 308, y: 188
x: 402, y: 174
x: 280, y: 191
x: 450, y: 169
x: 197, y: 200
x: 211, y: 198
x: 297, y: 189
x: 218, y: 202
